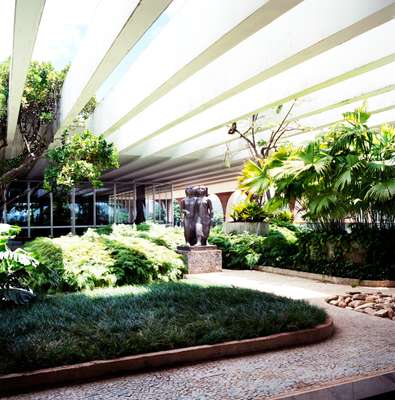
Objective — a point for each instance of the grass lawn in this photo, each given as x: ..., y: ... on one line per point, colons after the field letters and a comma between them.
x: 109, y: 323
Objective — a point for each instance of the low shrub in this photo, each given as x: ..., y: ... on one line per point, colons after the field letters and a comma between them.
x: 70, y: 263
x: 73, y: 263
x: 49, y: 274
x: 361, y: 252
x: 138, y: 261
x: 143, y: 227
x: 104, y: 230
x: 170, y: 237
x: 248, y: 251
x: 249, y: 211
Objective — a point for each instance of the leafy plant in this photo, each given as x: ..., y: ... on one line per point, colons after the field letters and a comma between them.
x: 143, y: 227
x: 72, y: 263
x: 15, y: 268
x: 81, y: 157
x: 247, y: 251
x: 249, y: 211
x: 49, y: 275
x: 347, y: 173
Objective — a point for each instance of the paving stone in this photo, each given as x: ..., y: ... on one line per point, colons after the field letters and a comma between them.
x: 361, y: 345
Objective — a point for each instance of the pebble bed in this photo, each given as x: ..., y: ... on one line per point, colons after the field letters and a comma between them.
x: 377, y: 304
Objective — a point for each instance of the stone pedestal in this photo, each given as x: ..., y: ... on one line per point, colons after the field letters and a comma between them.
x: 202, y: 259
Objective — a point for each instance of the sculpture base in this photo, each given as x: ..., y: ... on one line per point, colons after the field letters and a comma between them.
x: 202, y: 259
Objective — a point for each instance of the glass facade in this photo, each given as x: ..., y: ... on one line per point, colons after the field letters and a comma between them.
x: 40, y: 213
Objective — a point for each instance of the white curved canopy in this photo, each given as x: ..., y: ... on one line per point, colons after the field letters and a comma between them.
x: 190, y: 68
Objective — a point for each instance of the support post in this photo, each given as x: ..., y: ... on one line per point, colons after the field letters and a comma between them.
x: 171, y: 205
x: 153, y: 203
x: 73, y: 211
x: 115, y: 203
x: 166, y: 208
x: 28, y: 211
x: 51, y: 212
x: 134, y: 202
x: 94, y: 208
x: 5, y: 205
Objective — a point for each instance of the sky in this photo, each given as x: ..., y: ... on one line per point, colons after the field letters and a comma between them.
x: 62, y: 28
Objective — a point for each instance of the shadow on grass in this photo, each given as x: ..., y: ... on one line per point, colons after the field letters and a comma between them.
x: 108, y: 323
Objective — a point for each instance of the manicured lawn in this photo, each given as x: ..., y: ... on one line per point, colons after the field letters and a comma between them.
x: 108, y: 323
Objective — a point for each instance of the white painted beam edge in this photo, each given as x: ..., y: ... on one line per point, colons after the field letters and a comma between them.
x: 230, y: 74
x: 102, y: 50
x: 201, y: 32
x: 27, y: 19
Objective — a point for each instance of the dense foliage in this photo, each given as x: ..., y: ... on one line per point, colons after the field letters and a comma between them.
x: 16, y: 267
x: 249, y: 211
x: 252, y: 211
x: 349, y: 172
x: 72, y: 263
x: 109, y: 323
x: 248, y: 251
x: 81, y: 157
x: 38, y: 111
x: 360, y: 252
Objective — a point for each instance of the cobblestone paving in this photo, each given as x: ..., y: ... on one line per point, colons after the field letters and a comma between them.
x: 362, y: 344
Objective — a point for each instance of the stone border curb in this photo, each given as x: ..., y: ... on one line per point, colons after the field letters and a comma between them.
x: 19, y: 382
x: 356, y: 388
x: 326, y: 278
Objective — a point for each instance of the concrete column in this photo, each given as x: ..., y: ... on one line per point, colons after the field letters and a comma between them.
x: 224, y: 198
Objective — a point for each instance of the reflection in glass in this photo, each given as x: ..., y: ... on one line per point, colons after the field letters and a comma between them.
x: 17, y: 207
x: 84, y: 206
x: 40, y: 207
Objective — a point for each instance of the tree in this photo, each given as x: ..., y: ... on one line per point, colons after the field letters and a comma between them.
x: 37, y: 113
x: 36, y: 120
x: 255, y: 181
x: 260, y: 149
x: 81, y: 157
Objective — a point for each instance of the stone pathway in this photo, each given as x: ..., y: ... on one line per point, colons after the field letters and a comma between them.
x: 362, y: 345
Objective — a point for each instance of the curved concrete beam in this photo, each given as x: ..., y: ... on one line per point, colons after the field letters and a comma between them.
x: 27, y: 19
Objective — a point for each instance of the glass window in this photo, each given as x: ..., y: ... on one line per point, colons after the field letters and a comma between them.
x: 17, y: 208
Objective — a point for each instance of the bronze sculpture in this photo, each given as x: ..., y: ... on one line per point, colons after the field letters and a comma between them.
x: 188, y: 210
x: 203, y: 216
x: 197, y: 210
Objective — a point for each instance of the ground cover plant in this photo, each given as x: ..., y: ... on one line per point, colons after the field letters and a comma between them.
x: 108, y: 323
x: 116, y: 257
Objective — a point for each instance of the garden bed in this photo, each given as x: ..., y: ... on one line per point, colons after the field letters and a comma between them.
x: 327, y: 278
x: 108, y: 323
